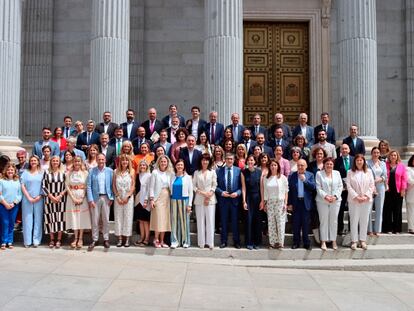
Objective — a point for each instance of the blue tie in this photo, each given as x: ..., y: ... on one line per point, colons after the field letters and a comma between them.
x: 228, y: 180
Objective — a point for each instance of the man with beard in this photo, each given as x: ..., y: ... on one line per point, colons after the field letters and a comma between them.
x: 106, y: 126
x: 175, y: 125
x: 329, y: 148
x: 45, y: 141
x: 130, y: 126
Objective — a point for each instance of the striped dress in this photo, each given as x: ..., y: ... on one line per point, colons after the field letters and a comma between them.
x: 54, y: 212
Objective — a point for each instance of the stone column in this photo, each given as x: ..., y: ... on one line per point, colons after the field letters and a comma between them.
x: 223, y: 58
x: 358, y: 68
x: 10, y: 58
x: 109, y: 58
x: 410, y: 73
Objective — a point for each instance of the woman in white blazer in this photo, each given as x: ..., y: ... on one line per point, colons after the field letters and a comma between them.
x: 409, y: 195
x: 159, y: 200
x: 360, y: 185
x: 181, y: 188
x: 328, y: 201
x: 204, y: 186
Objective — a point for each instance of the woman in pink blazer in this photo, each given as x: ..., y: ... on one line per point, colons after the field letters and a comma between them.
x: 397, y: 184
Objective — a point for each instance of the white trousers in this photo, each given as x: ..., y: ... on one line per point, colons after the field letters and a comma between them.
x: 205, y: 224
x: 101, y: 209
x: 328, y: 218
x: 358, y: 216
x: 410, y: 215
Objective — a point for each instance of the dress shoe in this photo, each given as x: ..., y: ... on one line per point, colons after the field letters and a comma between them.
x: 237, y: 245
x: 91, y: 246
x: 223, y: 245
x: 308, y: 247
x: 295, y: 246
x: 249, y: 247
x: 106, y: 244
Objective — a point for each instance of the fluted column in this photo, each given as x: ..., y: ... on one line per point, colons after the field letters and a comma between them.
x: 110, y: 58
x: 410, y: 72
x: 10, y: 54
x: 358, y: 67
x: 223, y: 57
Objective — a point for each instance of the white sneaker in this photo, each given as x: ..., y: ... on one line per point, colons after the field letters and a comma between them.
x: 186, y: 245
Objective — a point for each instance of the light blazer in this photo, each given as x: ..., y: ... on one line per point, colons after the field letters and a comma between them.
x: 322, y: 186
x: 284, y: 166
x: 409, y: 197
x: 187, y: 187
x: 209, y: 183
x: 370, y: 165
x: 283, y: 188
x: 92, y: 189
x: 37, y: 148
x: 155, y: 184
x: 236, y: 184
x: 400, y: 176
x: 308, y: 189
x: 355, y: 187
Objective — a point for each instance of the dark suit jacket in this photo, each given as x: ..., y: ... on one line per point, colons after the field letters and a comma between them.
x: 221, y: 185
x: 330, y: 136
x: 240, y: 129
x: 166, y: 120
x: 249, y: 146
x: 218, y: 134
x: 82, y: 140
x: 309, y: 187
x: 266, y: 149
x: 112, y: 142
x: 200, y: 128
x: 359, y: 148
x: 287, y: 133
x: 309, y: 134
x: 111, y: 129
x: 137, y: 142
x: 110, y: 156
x: 285, y: 145
x: 133, y: 130
x: 158, y: 126
x: 72, y: 131
x: 262, y: 130
x: 169, y: 134
x: 340, y: 166
x: 190, y: 168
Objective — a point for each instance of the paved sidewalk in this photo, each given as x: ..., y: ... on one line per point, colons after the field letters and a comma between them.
x: 43, y: 279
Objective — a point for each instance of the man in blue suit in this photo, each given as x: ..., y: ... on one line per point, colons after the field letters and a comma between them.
x: 100, y: 198
x: 278, y: 140
x: 68, y: 129
x: 304, y: 129
x: 236, y: 127
x: 228, y: 192
x: 328, y: 128
x: 214, y: 130
x: 356, y: 144
x: 88, y: 138
x: 256, y: 127
x: 37, y: 147
x: 300, y: 199
x: 190, y: 155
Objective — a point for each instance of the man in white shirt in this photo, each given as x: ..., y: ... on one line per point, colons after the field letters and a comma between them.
x: 304, y: 129
x: 195, y: 125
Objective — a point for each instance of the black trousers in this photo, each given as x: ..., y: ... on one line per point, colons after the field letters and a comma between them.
x: 254, y: 220
x: 392, y: 212
x: 342, y: 209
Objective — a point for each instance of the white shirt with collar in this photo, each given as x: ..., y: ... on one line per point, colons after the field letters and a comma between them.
x: 194, y: 128
x: 129, y: 128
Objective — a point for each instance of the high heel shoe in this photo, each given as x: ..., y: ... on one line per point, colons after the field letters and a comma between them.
x: 79, y: 244
x: 74, y: 243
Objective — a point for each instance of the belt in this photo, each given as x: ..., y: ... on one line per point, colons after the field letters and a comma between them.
x: 76, y: 187
x: 102, y: 194
x: 301, y: 199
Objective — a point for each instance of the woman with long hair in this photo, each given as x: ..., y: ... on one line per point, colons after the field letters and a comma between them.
x: 218, y: 157
x: 360, y: 185
x: 159, y: 199
x: 77, y: 216
x: 59, y: 139
x: 143, y: 208
x: 10, y: 197
x: 241, y: 155
x: 32, y: 203
x: 397, y: 185
x: 384, y: 147
x: 123, y: 184
x: 67, y: 162
x: 93, y: 152
x: 228, y: 146
x: 54, y: 189
x: 274, y: 202
x: 203, y: 144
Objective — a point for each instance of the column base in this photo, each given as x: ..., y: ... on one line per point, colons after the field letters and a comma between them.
x: 9, y: 146
x: 370, y: 142
x: 408, y: 151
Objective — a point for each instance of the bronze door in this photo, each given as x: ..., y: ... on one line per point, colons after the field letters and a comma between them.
x: 276, y: 71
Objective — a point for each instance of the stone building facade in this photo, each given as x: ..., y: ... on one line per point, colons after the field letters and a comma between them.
x: 82, y: 57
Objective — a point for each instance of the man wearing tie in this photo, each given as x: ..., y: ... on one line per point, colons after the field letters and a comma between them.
x: 88, y: 138
x: 140, y: 139
x: 117, y: 140
x: 68, y: 130
x: 301, y: 188
x: 330, y: 132
x: 228, y: 192
x: 256, y: 128
x: 106, y: 126
x: 190, y: 155
x: 214, y: 130
x: 236, y: 127
x: 356, y: 144
x: 343, y: 164
x: 304, y: 129
x: 279, y: 141
x: 260, y: 141
x: 247, y: 141
x: 152, y: 124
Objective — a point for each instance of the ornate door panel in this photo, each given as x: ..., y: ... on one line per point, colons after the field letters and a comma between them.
x: 276, y: 70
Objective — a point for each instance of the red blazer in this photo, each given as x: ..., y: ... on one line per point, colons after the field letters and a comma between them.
x: 63, y: 144
x: 400, y: 176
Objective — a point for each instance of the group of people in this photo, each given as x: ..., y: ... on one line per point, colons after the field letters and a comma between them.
x: 156, y: 171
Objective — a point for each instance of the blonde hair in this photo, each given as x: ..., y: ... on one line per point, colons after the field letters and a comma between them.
x: 50, y: 165
x: 397, y: 153
x: 169, y: 169
x: 6, y: 167
x: 143, y: 162
x: 129, y: 169
x: 124, y: 143
x: 82, y: 167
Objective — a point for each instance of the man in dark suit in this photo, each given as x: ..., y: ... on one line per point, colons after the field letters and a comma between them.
x: 163, y: 142
x: 260, y: 141
x: 301, y: 188
x: 130, y: 126
x: 68, y: 129
x: 152, y: 124
x: 236, y: 127
x: 279, y: 141
x: 343, y: 164
x: 107, y: 150
x: 173, y: 112
x: 256, y: 127
x: 214, y: 130
x: 172, y: 130
x: 88, y: 138
x: 118, y: 139
x: 304, y: 129
x: 140, y: 139
x: 195, y: 125
x: 278, y: 121
x: 356, y: 144
x: 330, y: 131
x: 106, y: 126
x: 228, y: 193
x: 190, y: 155
x: 247, y: 139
